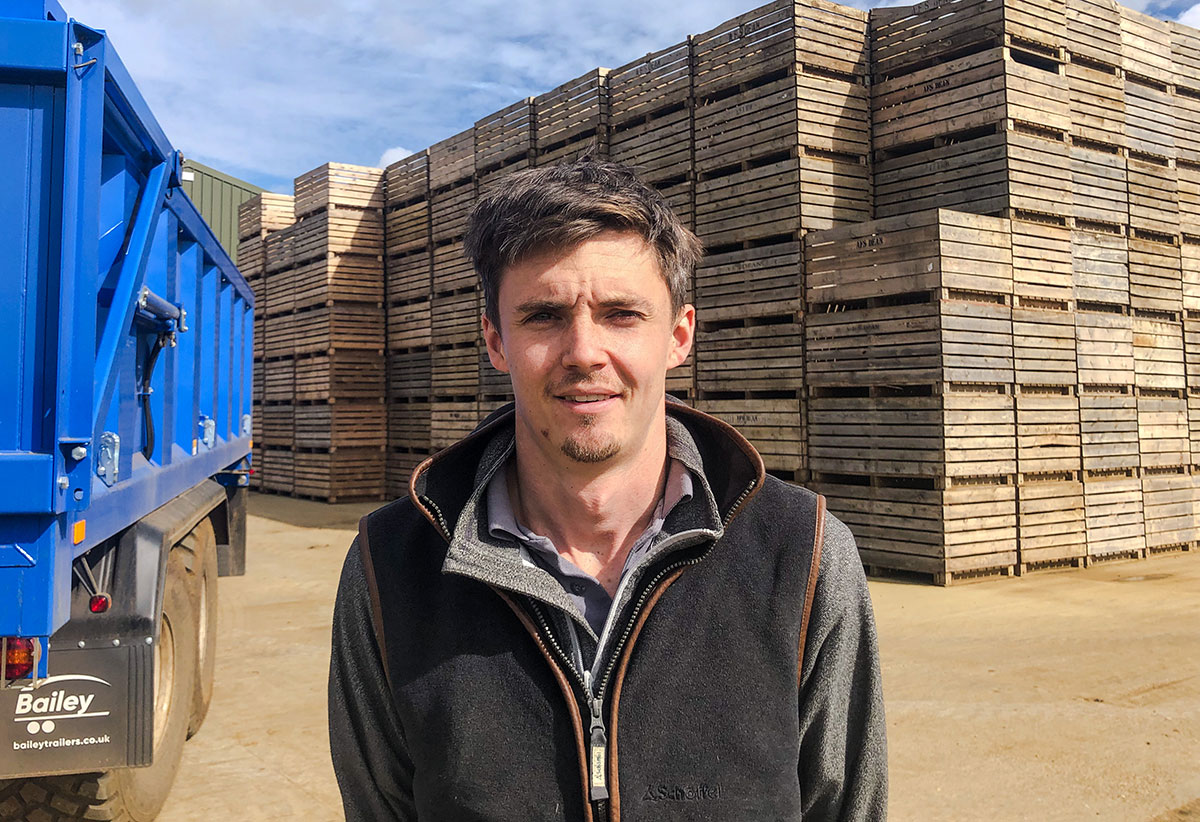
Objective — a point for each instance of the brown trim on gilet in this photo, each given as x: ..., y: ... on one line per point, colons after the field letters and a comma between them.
x: 568, y: 694
x: 364, y: 548
x: 813, y: 570
x: 614, y: 782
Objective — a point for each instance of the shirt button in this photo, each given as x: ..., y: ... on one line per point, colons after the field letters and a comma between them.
x: 578, y: 588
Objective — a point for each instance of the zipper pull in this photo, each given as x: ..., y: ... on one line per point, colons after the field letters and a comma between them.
x: 599, y: 746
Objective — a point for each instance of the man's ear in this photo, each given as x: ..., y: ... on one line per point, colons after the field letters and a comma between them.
x: 682, y: 336
x: 495, y: 345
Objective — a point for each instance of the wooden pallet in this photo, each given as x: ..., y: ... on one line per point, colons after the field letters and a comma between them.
x: 455, y: 371
x: 1099, y: 183
x: 452, y: 271
x: 930, y: 337
x: 681, y: 380
x: 1094, y: 30
x: 981, y: 89
x: 401, y: 462
x: 658, y: 146
x: 407, y: 228
x: 1155, y: 273
x: 1051, y: 528
x: 1044, y: 342
x: 1097, y: 100
x: 279, y: 333
x: 1194, y: 424
x: 252, y: 258
x: 681, y: 197
x: 341, y: 424
x: 406, y: 181
x: 1048, y: 430
x: 486, y: 182
x: 752, y: 204
x: 256, y: 466
x: 1113, y: 516
x: 334, y: 184
x: 451, y: 420
x: 1158, y: 354
x: 455, y: 318
x: 452, y: 160
x: 760, y: 354
x: 1191, y: 350
x: 279, y: 380
x: 1145, y: 44
x: 409, y: 373
x: 1185, y: 54
x: 966, y: 528
x: 340, y: 375
x: 909, y: 38
x: 493, y: 384
x: 642, y: 89
x: 765, y: 280
x: 1149, y: 116
x: 1104, y: 344
x: 1108, y: 419
x: 279, y: 250
x: 1169, y: 505
x: 571, y: 115
x: 258, y: 384
x: 263, y: 213
x: 409, y: 324
x: 946, y: 431
x: 1100, y: 266
x: 340, y: 277
x: 409, y: 422
x: 278, y: 424
x: 914, y: 252
x: 774, y: 426
x: 1188, y: 178
x: 1041, y: 252
x: 777, y: 37
x: 504, y: 136
x: 1163, y: 438
x: 340, y: 476
x: 338, y: 230
x: 798, y: 107
x: 409, y: 276
x: 339, y: 325
x: 449, y: 209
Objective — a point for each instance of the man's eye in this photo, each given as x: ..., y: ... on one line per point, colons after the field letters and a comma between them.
x: 539, y: 317
x: 625, y: 314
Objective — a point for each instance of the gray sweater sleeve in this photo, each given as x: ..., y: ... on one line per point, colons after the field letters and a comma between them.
x: 843, y: 744
x: 366, y: 740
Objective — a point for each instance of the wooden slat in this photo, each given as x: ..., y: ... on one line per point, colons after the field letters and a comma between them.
x: 338, y: 184
x: 660, y: 80
x: 504, y: 136
x: 452, y: 160
x: 576, y: 110
x: 264, y: 213
x: 407, y: 180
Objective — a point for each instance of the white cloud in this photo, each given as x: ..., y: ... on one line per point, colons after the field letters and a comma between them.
x: 1190, y: 16
x: 391, y: 155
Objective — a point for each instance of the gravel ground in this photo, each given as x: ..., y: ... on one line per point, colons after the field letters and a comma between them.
x: 1057, y: 696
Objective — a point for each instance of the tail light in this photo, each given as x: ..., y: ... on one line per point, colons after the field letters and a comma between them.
x: 19, y: 657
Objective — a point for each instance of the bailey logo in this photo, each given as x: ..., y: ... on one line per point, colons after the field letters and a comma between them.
x: 53, y: 700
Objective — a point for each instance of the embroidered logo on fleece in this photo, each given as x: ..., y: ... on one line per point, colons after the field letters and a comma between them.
x: 682, y: 793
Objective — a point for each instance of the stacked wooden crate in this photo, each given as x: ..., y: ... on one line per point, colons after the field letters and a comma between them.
x: 970, y: 107
x: 327, y: 273
x: 408, y: 242
x: 572, y: 120
x: 650, y: 129
x: 912, y: 432
x: 456, y: 300
x: 781, y: 148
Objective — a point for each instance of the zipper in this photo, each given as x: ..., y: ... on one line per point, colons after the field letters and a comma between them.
x: 438, y: 513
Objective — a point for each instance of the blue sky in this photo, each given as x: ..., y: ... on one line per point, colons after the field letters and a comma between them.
x: 266, y: 90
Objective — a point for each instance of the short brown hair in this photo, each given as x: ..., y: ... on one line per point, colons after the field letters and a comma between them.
x: 561, y: 206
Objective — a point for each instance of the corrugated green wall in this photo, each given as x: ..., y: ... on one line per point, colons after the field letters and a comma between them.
x: 217, y: 196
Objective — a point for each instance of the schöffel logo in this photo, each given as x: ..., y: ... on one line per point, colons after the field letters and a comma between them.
x: 53, y: 700
x: 682, y: 793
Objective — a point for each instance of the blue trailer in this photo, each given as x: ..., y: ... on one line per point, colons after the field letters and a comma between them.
x: 125, y: 384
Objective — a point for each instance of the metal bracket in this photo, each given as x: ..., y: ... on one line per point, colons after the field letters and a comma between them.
x: 108, y: 459
x: 208, y: 431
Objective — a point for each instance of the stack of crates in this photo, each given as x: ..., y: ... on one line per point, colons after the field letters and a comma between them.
x: 455, y: 303
x: 572, y: 120
x: 651, y: 110
x: 970, y: 107
x: 781, y: 148
x: 912, y: 429
x: 257, y: 217
x: 409, y: 253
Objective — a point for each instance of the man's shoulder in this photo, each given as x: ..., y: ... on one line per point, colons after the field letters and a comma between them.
x: 394, y: 527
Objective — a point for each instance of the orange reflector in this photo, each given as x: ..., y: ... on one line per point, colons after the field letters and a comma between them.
x: 18, y: 657
x: 79, y: 531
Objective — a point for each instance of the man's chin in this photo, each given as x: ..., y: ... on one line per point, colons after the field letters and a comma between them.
x: 590, y: 450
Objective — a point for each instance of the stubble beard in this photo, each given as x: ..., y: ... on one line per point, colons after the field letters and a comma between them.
x: 579, y: 447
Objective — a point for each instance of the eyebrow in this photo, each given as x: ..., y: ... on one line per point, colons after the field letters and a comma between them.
x: 542, y: 304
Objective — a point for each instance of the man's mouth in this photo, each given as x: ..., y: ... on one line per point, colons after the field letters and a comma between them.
x: 586, y: 397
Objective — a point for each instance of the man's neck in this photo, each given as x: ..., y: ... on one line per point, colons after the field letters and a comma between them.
x: 593, y: 513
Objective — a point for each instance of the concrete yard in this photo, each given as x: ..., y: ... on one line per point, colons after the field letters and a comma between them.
x: 1058, y: 696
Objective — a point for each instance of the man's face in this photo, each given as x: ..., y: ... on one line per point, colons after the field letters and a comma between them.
x: 587, y: 336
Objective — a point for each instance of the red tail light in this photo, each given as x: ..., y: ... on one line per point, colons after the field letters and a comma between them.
x: 99, y: 603
x: 18, y: 657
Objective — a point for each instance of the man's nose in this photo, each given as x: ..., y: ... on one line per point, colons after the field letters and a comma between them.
x: 583, y: 345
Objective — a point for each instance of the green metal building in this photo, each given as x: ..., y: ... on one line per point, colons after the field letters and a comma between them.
x: 217, y: 197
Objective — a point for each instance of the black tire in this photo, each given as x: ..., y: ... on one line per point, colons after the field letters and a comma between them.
x: 199, y: 548
x: 127, y: 794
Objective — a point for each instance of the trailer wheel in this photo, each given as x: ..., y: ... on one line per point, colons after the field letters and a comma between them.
x: 128, y: 794
x: 201, y: 544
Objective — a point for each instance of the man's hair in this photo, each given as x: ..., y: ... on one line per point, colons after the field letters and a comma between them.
x: 559, y: 207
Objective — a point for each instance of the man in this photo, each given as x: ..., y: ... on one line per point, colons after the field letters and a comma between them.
x: 598, y: 606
